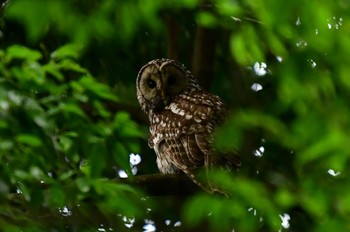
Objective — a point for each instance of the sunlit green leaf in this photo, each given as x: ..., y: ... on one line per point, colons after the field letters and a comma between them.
x: 36, y: 173
x: 228, y: 137
x: 23, y: 53
x: 29, y: 139
x: 121, y: 156
x: 66, y: 175
x: 67, y: 51
x: 53, y: 69
x: 83, y: 184
x: 206, y: 19
x: 67, y: 64
x: 246, y: 47
x: 6, y: 145
x: 97, y: 88
x: 35, y: 24
x: 73, y: 109
x: 230, y: 8
x: 285, y: 198
x: 125, y: 126
x: 101, y: 109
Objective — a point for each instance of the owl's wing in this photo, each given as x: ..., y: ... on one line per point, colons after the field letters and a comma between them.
x: 189, y: 153
x: 183, y: 151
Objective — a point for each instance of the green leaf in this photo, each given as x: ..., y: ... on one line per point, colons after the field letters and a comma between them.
x: 68, y: 64
x: 230, y: 8
x: 36, y: 24
x: 206, y: 19
x: 65, y: 143
x: 83, y: 184
x: 66, y: 175
x: 246, y: 47
x: 313, y: 198
x: 72, y: 108
x: 96, y: 88
x: 56, y: 196
x: 29, y: 139
x: 125, y: 126
x: 96, y: 159
x: 101, y: 109
x: 196, y: 209
x: 6, y: 145
x: 121, y: 156
x: 285, y: 198
x: 53, y: 69
x: 228, y: 137
x: 36, y: 173
x: 67, y: 51
x: 23, y: 53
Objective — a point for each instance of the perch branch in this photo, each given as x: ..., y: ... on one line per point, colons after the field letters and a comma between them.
x: 162, y: 184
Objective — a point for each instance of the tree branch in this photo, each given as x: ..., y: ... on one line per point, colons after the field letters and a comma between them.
x: 162, y: 184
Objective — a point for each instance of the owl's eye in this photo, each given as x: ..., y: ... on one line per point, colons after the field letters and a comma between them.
x: 171, y: 80
x: 151, y: 84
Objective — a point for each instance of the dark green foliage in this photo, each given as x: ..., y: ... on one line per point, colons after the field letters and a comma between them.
x: 69, y: 117
x: 52, y: 151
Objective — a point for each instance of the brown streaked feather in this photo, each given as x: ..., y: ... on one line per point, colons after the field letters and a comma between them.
x: 192, y: 150
x: 189, y: 154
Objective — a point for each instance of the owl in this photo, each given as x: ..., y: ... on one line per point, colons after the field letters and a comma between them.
x: 182, y: 119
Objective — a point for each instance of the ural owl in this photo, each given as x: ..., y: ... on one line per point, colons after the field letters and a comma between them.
x: 182, y: 119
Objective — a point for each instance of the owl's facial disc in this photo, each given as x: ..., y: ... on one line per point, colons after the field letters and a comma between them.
x: 152, y: 89
x: 159, y: 84
x: 174, y: 80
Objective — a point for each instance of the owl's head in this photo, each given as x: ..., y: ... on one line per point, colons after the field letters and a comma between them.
x: 159, y: 81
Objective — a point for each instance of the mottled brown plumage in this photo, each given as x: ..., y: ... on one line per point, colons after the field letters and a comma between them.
x: 182, y: 118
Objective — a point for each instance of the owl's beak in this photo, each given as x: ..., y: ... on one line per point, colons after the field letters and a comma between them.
x: 164, y: 97
x: 159, y: 102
